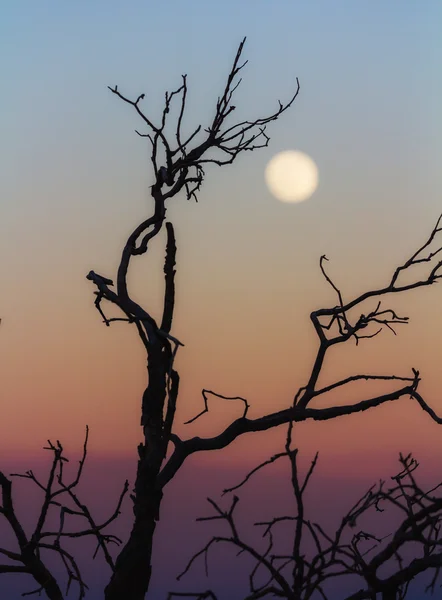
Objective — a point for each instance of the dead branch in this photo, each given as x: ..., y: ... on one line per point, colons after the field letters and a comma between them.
x: 206, y: 405
x: 269, y: 461
x: 346, y: 330
x: 183, y: 170
x: 55, y: 491
x: 347, y: 552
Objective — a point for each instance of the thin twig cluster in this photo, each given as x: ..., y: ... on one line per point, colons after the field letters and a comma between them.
x: 319, y: 557
x: 228, y: 141
x: 62, y: 498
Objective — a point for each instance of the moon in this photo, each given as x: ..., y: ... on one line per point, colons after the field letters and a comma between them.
x: 291, y: 176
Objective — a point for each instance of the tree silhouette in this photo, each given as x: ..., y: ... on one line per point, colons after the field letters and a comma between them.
x: 63, y: 498
x: 178, y: 164
x: 351, y: 552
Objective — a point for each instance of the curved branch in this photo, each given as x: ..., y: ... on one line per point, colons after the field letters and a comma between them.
x: 206, y: 405
x: 240, y: 426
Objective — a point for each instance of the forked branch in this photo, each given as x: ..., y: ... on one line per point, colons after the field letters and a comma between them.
x: 346, y: 329
x: 349, y: 551
x: 56, y: 495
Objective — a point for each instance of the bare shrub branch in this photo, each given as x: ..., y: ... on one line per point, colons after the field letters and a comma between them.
x: 349, y: 551
x: 55, y: 493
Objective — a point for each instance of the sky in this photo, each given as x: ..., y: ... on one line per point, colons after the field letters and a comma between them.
x: 75, y: 181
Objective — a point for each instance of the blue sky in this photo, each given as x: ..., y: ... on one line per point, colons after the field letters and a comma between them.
x: 368, y: 70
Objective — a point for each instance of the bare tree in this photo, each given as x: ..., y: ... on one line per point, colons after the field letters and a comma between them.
x: 61, y: 497
x: 178, y: 166
x: 184, y: 171
x: 318, y: 558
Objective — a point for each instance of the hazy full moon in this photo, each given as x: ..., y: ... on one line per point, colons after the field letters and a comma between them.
x: 291, y: 176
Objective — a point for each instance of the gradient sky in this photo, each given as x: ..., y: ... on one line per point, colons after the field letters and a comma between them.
x: 74, y: 183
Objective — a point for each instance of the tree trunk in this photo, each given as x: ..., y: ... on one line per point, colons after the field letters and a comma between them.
x: 133, y: 567
x: 42, y: 576
x: 389, y: 594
